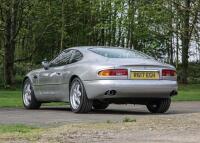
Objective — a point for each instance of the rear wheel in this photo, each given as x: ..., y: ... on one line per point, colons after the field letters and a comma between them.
x: 100, y: 105
x: 159, y: 106
x: 79, y: 102
x: 28, y: 96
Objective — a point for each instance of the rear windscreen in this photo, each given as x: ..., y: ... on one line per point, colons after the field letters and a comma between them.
x: 118, y: 53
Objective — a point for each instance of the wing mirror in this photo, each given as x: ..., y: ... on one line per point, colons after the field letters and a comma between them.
x: 45, y: 64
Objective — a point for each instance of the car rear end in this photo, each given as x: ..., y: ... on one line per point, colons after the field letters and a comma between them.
x: 146, y: 81
x: 132, y: 78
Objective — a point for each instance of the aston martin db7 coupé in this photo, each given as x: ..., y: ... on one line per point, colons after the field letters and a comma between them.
x: 94, y: 77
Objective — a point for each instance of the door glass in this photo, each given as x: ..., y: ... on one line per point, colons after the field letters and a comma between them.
x: 62, y: 59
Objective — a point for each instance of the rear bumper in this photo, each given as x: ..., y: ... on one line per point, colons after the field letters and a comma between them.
x: 130, y: 88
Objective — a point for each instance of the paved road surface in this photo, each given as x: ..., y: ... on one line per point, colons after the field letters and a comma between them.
x: 52, y: 115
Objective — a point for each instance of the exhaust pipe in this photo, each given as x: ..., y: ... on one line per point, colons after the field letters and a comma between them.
x: 111, y: 92
x: 173, y: 93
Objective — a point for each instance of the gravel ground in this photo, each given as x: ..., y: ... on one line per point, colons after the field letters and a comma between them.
x: 180, y: 125
x: 172, y: 129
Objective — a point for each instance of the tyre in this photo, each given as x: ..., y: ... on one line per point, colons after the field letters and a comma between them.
x: 159, y: 106
x: 100, y: 105
x: 28, y: 96
x: 79, y: 102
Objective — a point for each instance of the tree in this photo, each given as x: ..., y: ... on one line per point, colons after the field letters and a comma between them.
x: 188, y: 13
x: 11, y: 12
x: 33, y: 30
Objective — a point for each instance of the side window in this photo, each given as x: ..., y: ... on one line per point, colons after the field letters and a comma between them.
x: 77, y: 56
x: 62, y: 59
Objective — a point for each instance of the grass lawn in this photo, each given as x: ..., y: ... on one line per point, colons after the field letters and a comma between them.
x: 19, y: 133
x: 16, y: 128
x: 10, y: 98
x: 13, y: 98
x: 188, y: 93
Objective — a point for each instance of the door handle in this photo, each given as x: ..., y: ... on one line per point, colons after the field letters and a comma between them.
x: 35, y: 77
x: 58, y: 73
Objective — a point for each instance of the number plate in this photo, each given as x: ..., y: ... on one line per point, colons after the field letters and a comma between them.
x: 144, y: 75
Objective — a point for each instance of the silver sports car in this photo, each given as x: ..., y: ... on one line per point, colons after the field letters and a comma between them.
x: 94, y: 77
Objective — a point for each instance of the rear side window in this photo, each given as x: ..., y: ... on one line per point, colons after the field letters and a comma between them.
x: 76, y: 56
x: 118, y: 53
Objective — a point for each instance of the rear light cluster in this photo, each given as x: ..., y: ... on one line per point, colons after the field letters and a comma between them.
x: 168, y: 72
x: 124, y: 72
x: 113, y: 72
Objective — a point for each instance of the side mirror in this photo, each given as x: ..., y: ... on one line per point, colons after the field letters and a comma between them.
x: 45, y: 64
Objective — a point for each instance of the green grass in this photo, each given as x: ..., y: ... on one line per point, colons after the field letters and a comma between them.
x: 10, y: 99
x: 13, y: 98
x: 188, y: 93
x: 20, y: 133
x: 16, y: 128
x: 127, y: 119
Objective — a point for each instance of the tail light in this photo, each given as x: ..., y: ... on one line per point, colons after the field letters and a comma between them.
x: 113, y: 72
x: 168, y: 72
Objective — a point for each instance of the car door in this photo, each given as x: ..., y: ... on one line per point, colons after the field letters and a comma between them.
x: 51, y: 79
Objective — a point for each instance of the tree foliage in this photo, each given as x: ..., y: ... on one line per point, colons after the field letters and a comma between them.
x: 31, y: 30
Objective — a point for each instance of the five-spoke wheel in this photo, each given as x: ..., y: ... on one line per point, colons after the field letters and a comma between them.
x: 28, y: 96
x: 79, y: 102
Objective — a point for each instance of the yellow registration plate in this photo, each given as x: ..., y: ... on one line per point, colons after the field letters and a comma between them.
x: 145, y: 75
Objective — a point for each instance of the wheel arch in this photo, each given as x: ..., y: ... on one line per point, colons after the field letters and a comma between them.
x: 70, y: 82
x: 71, y: 79
x: 25, y: 78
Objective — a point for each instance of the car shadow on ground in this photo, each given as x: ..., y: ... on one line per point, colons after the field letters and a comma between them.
x: 106, y: 111
x: 141, y: 111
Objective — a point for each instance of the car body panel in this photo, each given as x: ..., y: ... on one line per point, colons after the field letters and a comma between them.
x: 130, y: 88
x: 53, y: 84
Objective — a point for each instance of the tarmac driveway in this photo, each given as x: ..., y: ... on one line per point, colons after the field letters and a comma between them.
x: 49, y: 115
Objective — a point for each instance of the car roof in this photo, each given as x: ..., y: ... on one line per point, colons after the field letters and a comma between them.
x: 84, y: 48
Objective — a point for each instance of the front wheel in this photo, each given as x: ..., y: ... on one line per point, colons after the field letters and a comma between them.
x: 28, y: 96
x: 79, y: 102
x: 159, y: 106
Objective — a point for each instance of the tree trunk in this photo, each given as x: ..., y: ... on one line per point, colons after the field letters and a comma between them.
x: 9, y: 47
x: 177, y: 44
x: 62, y: 26
x: 171, y: 51
x: 10, y: 41
x: 120, y: 31
x: 185, y: 42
